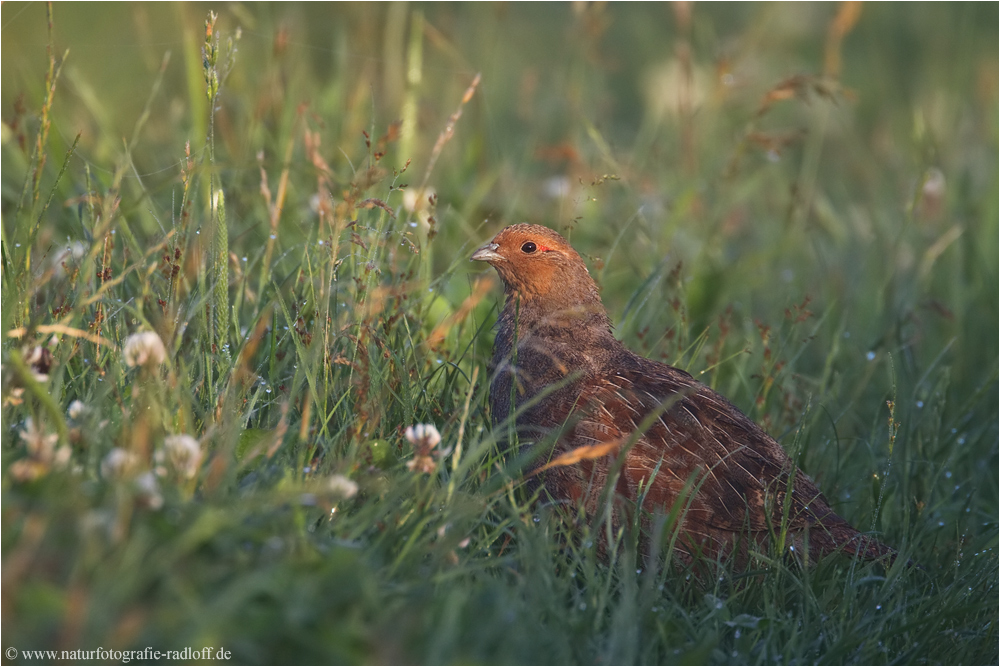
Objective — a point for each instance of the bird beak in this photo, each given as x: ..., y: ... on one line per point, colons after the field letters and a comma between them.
x: 488, y: 253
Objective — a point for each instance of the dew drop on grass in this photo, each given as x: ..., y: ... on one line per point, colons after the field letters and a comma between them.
x: 940, y: 524
x: 639, y: 571
x: 847, y: 334
x: 878, y: 607
x: 413, y: 224
x: 534, y: 518
x: 870, y: 356
x: 961, y: 440
x: 583, y: 606
x: 920, y: 404
x: 244, y: 259
x: 319, y: 242
x: 273, y: 236
x: 947, y: 474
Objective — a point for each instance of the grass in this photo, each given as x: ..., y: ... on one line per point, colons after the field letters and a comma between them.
x: 796, y: 203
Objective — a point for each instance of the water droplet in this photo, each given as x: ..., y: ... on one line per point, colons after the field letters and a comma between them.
x: 870, y: 356
x: 583, y: 606
x: 947, y: 474
x: 244, y: 259
x: 319, y: 243
x: 878, y: 607
x: 413, y: 224
x: 940, y: 523
x: 736, y: 635
x: 273, y: 236
x: 961, y: 440
x: 847, y: 334
x: 920, y: 404
x: 535, y: 519
x: 639, y: 571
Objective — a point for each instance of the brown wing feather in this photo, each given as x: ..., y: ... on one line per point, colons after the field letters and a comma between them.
x: 691, y: 434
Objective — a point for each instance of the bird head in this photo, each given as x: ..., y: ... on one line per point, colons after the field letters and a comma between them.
x: 537, y: 263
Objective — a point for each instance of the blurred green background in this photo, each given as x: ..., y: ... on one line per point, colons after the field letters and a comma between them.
x: 796, y: 202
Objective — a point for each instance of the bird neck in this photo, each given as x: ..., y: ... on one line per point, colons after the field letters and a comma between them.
x: 579, y: 317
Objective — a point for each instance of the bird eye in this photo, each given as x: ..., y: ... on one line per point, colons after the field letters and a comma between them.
x: 529, y: 247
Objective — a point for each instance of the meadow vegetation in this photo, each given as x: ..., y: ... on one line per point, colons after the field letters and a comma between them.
x: 235, y: 275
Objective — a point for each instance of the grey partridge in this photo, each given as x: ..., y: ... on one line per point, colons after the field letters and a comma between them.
x: 560, y: 375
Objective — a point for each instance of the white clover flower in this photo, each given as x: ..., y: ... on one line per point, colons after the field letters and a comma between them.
x: 423, y: 437
x: 117, y: 463
x: 148, y: 491
x: 39, y: 360
x: 341, y: 486
x: 40, y: 444
x: 144, y: 349
x: 182, y: 453
x: 415, y: 199
x: 77, y: 409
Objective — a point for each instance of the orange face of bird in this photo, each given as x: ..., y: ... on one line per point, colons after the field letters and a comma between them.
x: 532, y: 260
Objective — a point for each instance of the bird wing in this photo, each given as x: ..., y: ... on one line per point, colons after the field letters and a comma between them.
x: 730, y: 474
